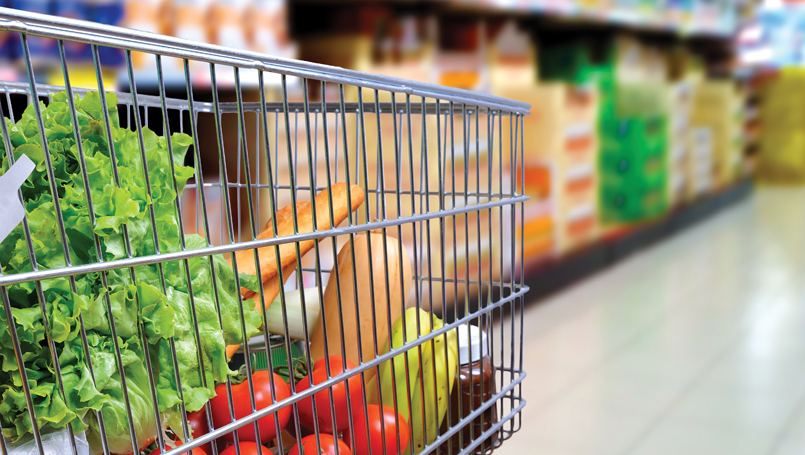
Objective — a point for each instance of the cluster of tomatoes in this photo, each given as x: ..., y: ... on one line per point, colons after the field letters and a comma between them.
x: 383, y: 424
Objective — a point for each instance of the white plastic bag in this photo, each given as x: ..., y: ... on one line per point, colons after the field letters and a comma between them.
x: 54, y: 443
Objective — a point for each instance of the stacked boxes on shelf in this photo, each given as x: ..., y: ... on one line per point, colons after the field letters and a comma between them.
x: 781, y: 143
x: 632, y: 121
x: 633, y: 163
x: 633, y: 125
x: 715, y: 109
x: 562, y: 132
x: 511, y: 66
x: 680, y: 103
x: 699, y: 165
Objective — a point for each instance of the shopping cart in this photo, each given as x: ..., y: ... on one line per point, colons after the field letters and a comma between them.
x: 144, y: 262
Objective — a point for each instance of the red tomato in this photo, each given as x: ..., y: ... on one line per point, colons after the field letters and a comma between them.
x: 323, y: 415
x: 196, y: 451
x: 378, y: 419
x: 243, y: 408
x: 327, y: 443
x: 246, y: 448
x: 198, y: 423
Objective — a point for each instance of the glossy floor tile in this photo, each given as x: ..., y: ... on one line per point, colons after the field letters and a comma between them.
x: 693, y: 346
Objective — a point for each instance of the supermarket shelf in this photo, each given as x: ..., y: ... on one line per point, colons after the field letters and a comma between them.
x: 553, y: 275
x: 708, y: 24
x: 631, y: 18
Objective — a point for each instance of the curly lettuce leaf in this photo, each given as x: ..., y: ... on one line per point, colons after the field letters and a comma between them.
x: 148, y: 310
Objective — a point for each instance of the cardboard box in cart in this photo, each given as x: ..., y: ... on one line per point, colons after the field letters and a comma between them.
x: 562, y: 130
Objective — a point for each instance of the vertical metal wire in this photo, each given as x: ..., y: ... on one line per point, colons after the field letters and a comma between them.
x: 243, y: 146
x: 178, y: 208
x: 311, y: 164
x: 272, y: 196
x: 432, y: 347
x: 238, y: 185
x: 113, y: 162
x: 465, y: 139
x: 415, y: 265
x: 295, y: 214
x: 334, y: 274
x: 400, y: 251
x: 502, y: 249
x: 381, y: 209
x: 521, y: 173
x: 60, y: 221
x: 455, y: 257
x: 275, y: 188
x: 257, y: 207
x: 351, y: 220
x: 479, y: 287
x: 34, y: 267
x: 489, y: 326
x: 230, y: 227
x: 96, y: 242
x: 138, y: 127
x: 355, y: 287
x: 12, y: 328
x: 513, y: 128
x: 442, y: 266
x: 166, y: 134
x: 204, y: 215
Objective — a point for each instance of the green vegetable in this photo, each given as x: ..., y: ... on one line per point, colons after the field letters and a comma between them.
x: 137, y: 306
x: 293, y: 308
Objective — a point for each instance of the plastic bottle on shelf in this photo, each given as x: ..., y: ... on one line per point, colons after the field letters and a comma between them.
x: 143, y: 15
x: 191, y: 20
x: 474, y: 388
x: 108, y: 12
x: 74, y: 9
x: 44, y: 51
x: 227, y: 19
x: 269, y: 23
x: 78, y: 55
x: 191, y: 24
x: 9, y: 51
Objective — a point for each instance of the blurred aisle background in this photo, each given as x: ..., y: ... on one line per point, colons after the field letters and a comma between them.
x: 692, y: 346
x: 665, y: 156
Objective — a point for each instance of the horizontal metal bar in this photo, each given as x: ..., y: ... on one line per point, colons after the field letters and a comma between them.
x: 136, y: 40
x: 446, y: 280
x: 388, y: 191
x: 23, y: 88
x: 383, y: 108
x: 230, y: 107
x: 324, y: 385
x: 248, y: 245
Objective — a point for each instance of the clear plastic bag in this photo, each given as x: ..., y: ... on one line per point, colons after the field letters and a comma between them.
x: 53, y: 443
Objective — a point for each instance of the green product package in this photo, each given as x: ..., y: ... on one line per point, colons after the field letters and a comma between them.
x: 632, y: 203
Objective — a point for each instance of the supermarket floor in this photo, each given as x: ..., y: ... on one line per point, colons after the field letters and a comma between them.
x: 694, y: 346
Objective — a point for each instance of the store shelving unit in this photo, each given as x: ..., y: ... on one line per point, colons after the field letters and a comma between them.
x: 552, y: 275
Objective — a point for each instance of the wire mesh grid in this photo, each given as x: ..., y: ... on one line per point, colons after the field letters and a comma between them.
x: 143, y: 263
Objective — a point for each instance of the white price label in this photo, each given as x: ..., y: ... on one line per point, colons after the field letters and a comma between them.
x: 11, y: 209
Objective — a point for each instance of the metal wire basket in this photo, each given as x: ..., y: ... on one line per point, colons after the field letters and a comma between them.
x: 119, y: 221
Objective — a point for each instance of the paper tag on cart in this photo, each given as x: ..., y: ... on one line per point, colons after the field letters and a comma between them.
x: 11, y: 209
